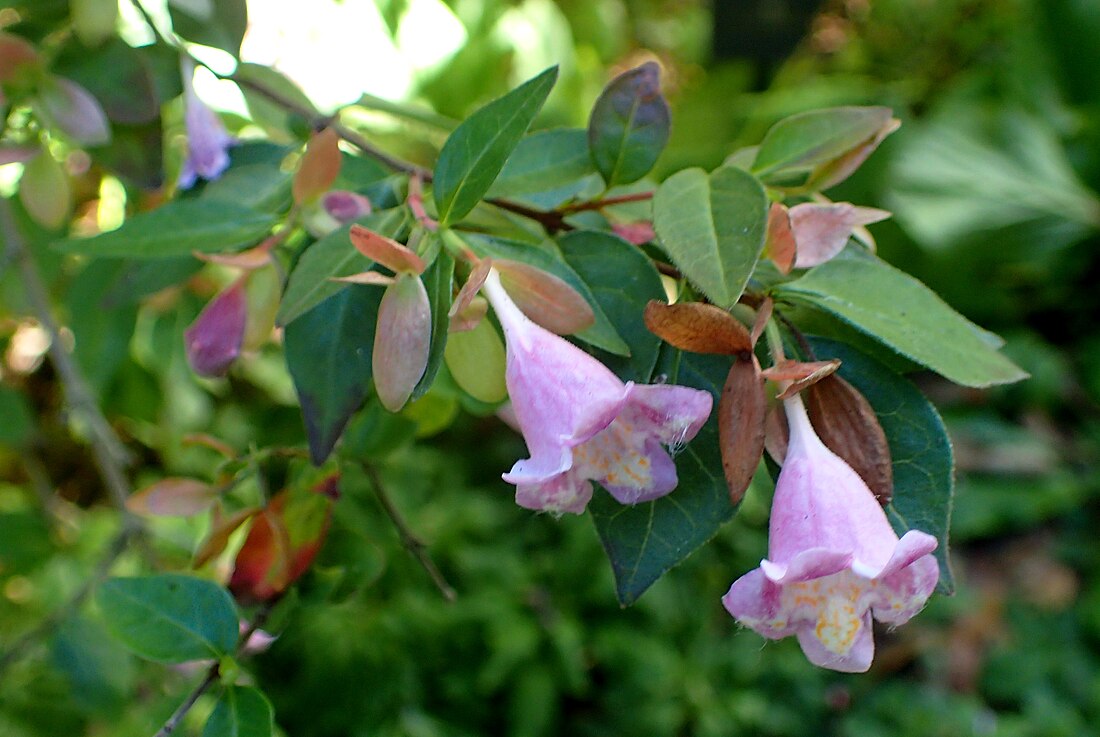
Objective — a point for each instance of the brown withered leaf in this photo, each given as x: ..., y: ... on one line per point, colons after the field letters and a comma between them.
x: 386, y: 251
x: 779, y: 244
x: 845, y: 422
x: 319, y: 167
x: 741, y: 412
x: 548, y: 300
x: 801, y: 374
x: 763, y: 314
x: 698, y: 328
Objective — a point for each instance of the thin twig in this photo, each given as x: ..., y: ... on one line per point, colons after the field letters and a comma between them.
x: 177, y: 716
x: 409, y: 539
x: 605, y: 202
x: 213, y: 673
x: 19, y: 647
x: 110, y: 454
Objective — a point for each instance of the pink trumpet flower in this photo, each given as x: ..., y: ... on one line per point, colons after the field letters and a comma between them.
x: 582, y: 423
x: 207, y: 140
x: 833, y: 559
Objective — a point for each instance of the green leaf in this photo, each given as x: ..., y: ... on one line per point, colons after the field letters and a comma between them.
x: 217, y: 23
x: 622, y: 280
x: 102, y: 332
x: 602, y: 334
x: 807, y: 140
x: 920, y: 449
x: 311, y: 283
x: 712, y: 227
x: 477, y: 361
x: 328, y: 351
x: 263, y: 186
x: 176, y: 229
x: 544, y: 161
x: 273, y: 118
x: 902, y: 313
x: 476, y: 151
x: 438, y: 279
x: 136, y: 154
x: 629, y: 125
x: 644, y: 541
x: 170, y: 618
x: 241, y: 712
x: 124, y: 79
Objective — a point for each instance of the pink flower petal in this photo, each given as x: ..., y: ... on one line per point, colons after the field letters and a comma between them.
x: 213, y: 341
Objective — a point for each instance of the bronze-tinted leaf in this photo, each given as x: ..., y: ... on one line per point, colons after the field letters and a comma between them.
x: 545, y: 298
x: 221, y: 529
x: 801, y: 374
x: 779, y: 243
x: 698, y: 328
x: 173, y: 497
x: 386, y: 251
x: 319, y: 167
x: 470, y: 289
x: 741, y: 412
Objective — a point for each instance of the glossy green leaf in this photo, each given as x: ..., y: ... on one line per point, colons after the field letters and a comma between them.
x: 629, y: 125
x: 902, y: 313
x: 328, y: 352
x: 217, y: 23
x: 170, y: 618
x: 476, y: 151
x: 543, y: 161
x: 311, y: 283
x: 713, y: 228
x: 920, y: 449
x: 602, y: 334
x: 241, y: 712
x: 263, y: 186
x: 644, y: 541
x: 124, y: 79
x: 622, y: 280
x: 178, y: 228
x: 438, y: 280
x: 811, y: 139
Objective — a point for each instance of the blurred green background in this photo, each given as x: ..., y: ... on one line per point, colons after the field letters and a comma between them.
x: 992, y: 179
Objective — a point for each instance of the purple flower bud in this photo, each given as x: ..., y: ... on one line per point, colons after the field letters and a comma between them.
x: 345, y: 206
x: 213, y: 341
x: 833, y: 559
x: 207, y: 140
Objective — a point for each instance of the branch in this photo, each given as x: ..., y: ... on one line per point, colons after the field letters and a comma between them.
x: 411, y: 542
x: 605, y: 202
x: 111, y: 456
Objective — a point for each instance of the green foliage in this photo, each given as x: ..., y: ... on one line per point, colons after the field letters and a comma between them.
x: 169, y: 618
x: 629, y: 125
x: 476, y: 151
x: 241, y: 712
x: 176, y: 229
x: 905, y: 315
x: 712, y: 227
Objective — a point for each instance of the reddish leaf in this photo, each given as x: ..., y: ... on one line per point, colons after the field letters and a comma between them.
x: 822, y: 230
x: 546, y: 299
x: 173, y: 497
x: 839, y: 169
x: 801, y: 374
x: 636, y: 233
x: 285, y: 538
x: 779, y: 244
x: 698, y: 328
x: 15, y: 54
x: 401, y: 341
x: 221, y: 529
x: 319, y: 167
x: 386, y: 251
x: 741, y: 413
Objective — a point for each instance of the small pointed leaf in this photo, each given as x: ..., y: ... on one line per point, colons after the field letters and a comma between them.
x: 319, y: 167
x: 629, y: 125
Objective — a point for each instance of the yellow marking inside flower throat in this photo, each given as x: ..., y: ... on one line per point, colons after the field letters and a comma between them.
x: 835, y: 601
x: 612, y: 458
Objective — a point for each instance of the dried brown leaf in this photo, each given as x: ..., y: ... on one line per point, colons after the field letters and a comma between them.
x: 698, y: 328
x: 741, y: 414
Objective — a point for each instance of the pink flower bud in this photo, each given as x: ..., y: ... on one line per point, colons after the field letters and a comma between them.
x: 213, y: 341
x: 833, y: 560
x: 402, y: 340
